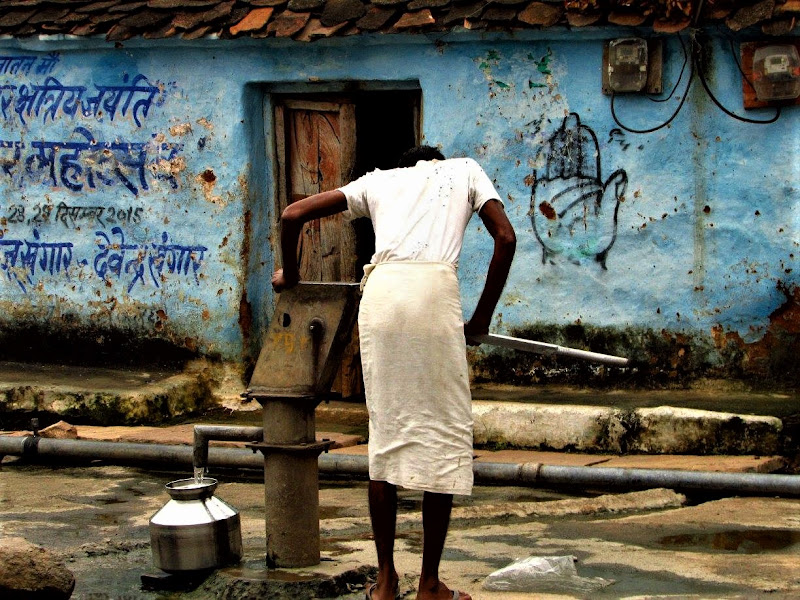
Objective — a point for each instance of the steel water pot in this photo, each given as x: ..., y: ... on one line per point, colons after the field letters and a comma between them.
x: 195, y: 530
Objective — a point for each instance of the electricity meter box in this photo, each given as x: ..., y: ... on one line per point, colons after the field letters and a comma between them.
x: 632, y: 65
x: 776, y: 73
x: 627, y: 64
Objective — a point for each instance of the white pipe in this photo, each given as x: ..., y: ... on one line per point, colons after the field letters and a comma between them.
x: 506, y: 341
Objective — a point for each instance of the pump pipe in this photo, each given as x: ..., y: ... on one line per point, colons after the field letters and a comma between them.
x: 343, y: 465
x: 203, y: 434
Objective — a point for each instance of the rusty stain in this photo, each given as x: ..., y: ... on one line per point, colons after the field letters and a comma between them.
x: 773, y: 355
x: 245, y: 309
x: 206, y: 314
x: 548, y: 211
x: 787, y: 316
x: 246, y: 233
x: 245, y: 317
x: 208, y: 179
x: 203, y: 122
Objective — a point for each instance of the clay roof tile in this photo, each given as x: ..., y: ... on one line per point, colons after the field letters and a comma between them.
x: 17, y: 17
x: 153, y: 19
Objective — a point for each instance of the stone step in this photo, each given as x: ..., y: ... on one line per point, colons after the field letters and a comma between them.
x: 546, y: 418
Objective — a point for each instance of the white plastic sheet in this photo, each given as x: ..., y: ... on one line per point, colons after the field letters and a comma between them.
x: 543, y: 574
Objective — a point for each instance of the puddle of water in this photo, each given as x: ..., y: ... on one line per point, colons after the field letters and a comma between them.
x: 265, y: 574
x: 748, y: 541
x: 333, y: 549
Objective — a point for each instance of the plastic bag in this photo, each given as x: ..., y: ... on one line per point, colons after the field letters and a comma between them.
x: 543, y: 574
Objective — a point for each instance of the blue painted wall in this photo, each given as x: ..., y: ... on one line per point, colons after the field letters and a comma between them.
x: 136, y: 186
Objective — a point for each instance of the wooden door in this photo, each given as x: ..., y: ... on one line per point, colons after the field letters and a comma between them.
x: 316, y: 149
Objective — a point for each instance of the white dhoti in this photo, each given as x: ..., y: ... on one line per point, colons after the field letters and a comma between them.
x: 416, y: 379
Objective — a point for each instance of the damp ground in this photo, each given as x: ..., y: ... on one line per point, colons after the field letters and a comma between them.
x: 652, y: 544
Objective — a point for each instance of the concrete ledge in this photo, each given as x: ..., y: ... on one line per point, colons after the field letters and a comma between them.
x: 689, y: 431
x: 578, y: 428
x: 682, y: 462
x: 660, y: 430
x: 103, y: 395
x: 567, y: 420
x: 181, y: 435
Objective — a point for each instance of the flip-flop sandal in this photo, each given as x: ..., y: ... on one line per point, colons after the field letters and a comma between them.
x: 370, y: 589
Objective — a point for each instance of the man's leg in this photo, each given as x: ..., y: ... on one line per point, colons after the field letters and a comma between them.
x: 435, y: 521
x: 383, y: 513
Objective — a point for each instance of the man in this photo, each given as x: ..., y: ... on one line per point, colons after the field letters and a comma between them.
x: 412, y: 337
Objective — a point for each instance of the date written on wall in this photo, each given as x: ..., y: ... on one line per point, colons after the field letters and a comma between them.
x: 72, y: 216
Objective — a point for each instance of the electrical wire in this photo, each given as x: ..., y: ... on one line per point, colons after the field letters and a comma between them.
x: 695, y: 68
x: 738, y: 64
x: 680, y: 75
x: 697, y: 56
x: 677, y: 110
x: 696, y: 16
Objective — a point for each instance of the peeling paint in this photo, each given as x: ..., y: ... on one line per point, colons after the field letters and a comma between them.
x: 203, y: 122
x: 700, y: 280
x: 181, y: 129
x: 172, y: 167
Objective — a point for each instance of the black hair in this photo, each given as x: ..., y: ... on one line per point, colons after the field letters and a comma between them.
x: 417, y: 153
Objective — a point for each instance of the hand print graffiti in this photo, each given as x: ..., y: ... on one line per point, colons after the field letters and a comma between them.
x: 574, y: 214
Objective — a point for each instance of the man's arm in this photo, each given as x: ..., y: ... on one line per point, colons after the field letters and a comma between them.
x: 293, y: 218
x: 505, y: 242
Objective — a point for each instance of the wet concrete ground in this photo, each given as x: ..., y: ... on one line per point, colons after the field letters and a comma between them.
x: 652, y: 544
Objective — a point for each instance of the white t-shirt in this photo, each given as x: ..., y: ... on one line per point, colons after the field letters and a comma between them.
x: 420, y: 213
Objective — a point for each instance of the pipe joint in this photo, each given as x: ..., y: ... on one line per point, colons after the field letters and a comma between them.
x: 529, y: 472
x: 30, y: 445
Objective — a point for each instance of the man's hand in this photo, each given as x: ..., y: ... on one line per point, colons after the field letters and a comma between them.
x: 281, y: 282
x: 472, y: 328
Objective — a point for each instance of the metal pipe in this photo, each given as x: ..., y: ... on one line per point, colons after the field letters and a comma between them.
x: 531, y: 474
x: 203, y: 434
x: 518, y: 474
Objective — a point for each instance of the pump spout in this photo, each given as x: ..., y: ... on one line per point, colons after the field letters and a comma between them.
x: 203, y: 434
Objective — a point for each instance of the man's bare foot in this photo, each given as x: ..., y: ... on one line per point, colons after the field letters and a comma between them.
x: 440, y: 591
x: 381, y: 591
